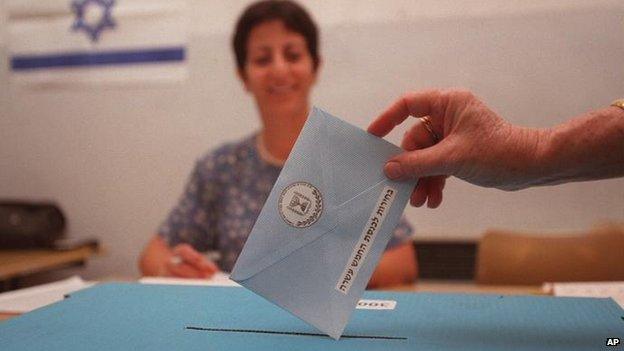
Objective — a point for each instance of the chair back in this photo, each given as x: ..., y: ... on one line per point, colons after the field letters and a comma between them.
x: 525, y: 259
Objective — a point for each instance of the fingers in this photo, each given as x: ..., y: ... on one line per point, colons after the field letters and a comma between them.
x: 184, y: 270
x: 419, y: 195
x: 431, y: 161
x: 189, y: 255
x: 190, y: 258
x: 417, y: 137
x: 415, y: 104
x: 435, y: 187
x: 430, y: 188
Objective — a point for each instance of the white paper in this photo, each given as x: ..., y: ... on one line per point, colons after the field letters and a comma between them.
x: 364, y: 304
x: 218, y: 279
x: 28, y: 299
x: 614, y: 290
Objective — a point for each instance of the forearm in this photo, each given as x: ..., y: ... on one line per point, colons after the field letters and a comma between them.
x: 589, y: 147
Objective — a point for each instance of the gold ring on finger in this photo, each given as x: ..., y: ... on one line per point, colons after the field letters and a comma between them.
x: 426, y: 121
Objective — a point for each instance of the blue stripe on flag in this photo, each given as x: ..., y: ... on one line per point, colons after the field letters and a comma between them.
x: 101, y: 58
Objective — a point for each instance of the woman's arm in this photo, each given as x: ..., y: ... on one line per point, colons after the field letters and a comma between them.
x: 397, y: 266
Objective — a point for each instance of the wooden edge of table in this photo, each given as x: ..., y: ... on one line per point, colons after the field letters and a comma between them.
x: 16, y: 263
x: 469, y: 287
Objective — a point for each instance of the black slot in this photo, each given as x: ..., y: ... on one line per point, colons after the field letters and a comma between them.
x: 372, y: 337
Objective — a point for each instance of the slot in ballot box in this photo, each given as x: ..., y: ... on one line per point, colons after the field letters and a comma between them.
x: 124, y: 316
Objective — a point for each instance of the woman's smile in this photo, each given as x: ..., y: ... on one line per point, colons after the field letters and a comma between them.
x: 280, y: 71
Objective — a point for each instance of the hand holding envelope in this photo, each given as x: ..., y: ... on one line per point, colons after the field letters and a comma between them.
x: 325, y: 224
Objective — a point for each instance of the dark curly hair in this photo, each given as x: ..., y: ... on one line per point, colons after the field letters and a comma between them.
x: 294, y: 17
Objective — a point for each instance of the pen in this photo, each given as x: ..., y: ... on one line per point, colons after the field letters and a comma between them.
x: 175, y: 259
x: 210, y: 255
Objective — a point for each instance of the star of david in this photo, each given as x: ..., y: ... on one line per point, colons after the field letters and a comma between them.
x: 93, y: 30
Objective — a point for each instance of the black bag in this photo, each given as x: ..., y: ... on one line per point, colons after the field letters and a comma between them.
x: 30, y: 225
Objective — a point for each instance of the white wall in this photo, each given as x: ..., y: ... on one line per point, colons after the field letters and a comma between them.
x: 117, y: 158
x: 3, y: 63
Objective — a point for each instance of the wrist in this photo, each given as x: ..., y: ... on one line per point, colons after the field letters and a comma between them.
x: 545, y: 158
x: 531, y: 157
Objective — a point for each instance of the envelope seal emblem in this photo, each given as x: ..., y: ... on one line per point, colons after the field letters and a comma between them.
x: 300, y: 204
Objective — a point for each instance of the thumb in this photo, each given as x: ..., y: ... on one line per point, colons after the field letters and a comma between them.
x: 431, y: 161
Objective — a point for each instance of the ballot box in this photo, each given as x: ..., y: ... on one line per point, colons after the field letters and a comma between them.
x: 126, y: 316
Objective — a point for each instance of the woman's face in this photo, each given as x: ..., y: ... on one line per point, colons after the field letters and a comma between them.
x: 279, y: 69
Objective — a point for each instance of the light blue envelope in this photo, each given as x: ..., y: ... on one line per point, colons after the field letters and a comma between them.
x: 325, y: 224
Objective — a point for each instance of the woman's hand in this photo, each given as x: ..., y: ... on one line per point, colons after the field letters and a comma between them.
x: 475, y: 145
x: 158, y: 259
x: 186, y: 262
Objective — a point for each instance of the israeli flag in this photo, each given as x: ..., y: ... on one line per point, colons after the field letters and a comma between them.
x: 76, y: 42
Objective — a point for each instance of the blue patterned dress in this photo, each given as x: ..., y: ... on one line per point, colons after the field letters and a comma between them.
x: 222, y: 200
